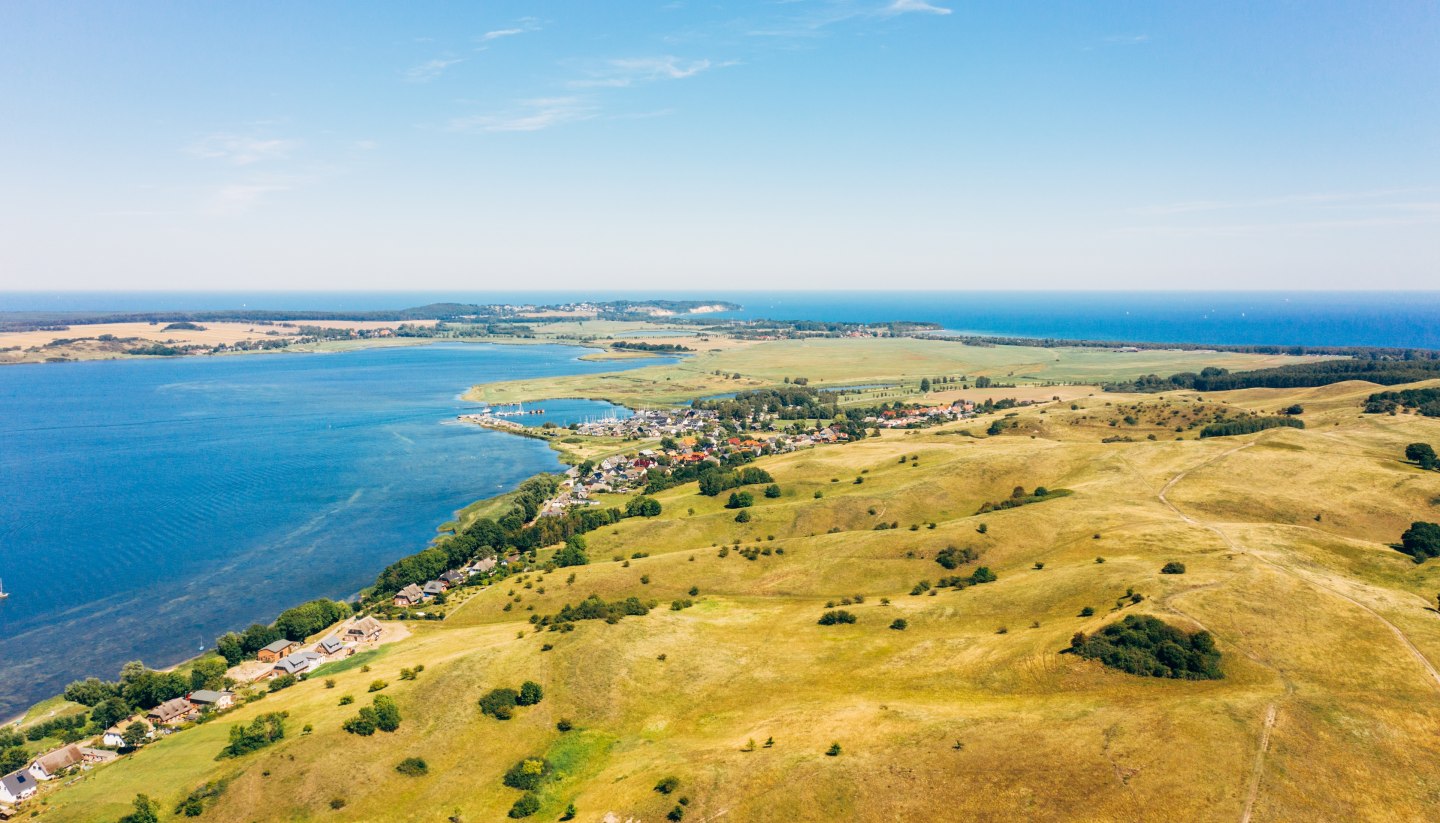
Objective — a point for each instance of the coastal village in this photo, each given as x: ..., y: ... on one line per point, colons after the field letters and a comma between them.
x: 672, y: 438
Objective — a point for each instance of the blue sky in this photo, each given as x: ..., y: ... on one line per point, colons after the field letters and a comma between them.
x: 802, y: 144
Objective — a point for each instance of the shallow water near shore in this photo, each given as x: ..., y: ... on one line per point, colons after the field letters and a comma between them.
x: 147, y: 506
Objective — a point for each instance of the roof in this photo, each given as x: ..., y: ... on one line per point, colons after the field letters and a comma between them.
x: 410, y: 592
x: 97, y: 754
x: 297, y: 662
x: 18, y: 783
x: 434, y: 587
x: 208, y: 696
x: 332, y: 644
x: 453, y: 576
x: 62, y: 758
x: 363, y: 626
x: 279, y: 646
x: 171, y: 709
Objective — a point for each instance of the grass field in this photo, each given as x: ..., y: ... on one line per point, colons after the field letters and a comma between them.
x: 848, y: 361
x: 972, y: 713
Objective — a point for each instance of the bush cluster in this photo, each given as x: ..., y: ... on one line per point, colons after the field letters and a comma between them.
x: 1145, y: 645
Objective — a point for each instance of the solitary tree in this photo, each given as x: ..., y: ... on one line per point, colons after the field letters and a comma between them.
x: 1421, y: 453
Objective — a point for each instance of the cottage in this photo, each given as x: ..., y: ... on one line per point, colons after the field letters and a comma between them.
x: 409, y: 596
x: 366, y: 629
x: 209, y: 698
x: 482, y: 566
x: 115, y: 735
x: 171, y: 712
x: 16, y: 786
x: 276, y: 650
x: 433, y: 588
x: 296, y: 664
x: 452, y: 578
x: 47, y: 766
x: 97, y: 756
x: 330, y: 646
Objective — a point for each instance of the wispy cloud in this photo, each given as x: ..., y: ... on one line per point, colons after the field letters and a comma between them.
x: 430, y: 69
x: 1127, y: 39
x: 528, y: 115
x: 909, y: 6
x: 499, y: 33
x: 241, y: 150
x: 630, y: 71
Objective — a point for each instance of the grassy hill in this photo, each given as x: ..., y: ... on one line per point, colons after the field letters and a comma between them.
x: 1327, y: 711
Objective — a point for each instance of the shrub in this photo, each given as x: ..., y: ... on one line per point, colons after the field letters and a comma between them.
x: 528, y: 774
x: 500, y: 703
x: 530, y: 694
x: 772, y: 491
x: 1088, y: 611
x: 412, y: 767
x: 676, y: 814
x: 899, y: 624
x: 1173, y: 567
x: 262, y: 731
x: 1422, y: 454
x: 833, y: 751
x: 564, y: 724
x: 387, y: 714
x: 740, y: 500
x: 667, y: 784
x: 377, y: 685
x: 831, y: 618
x: 951, y: 557
x: 743, y: 516
x: 1145, y: 645
x: 284, y: 681
x: 346, y: 700
x: 1421, y: 541
x: 527, y: 805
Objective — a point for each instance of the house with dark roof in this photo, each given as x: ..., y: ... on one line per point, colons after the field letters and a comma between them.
x: 214, y: 700
x: 452, y: 578
x: 16, y: 787
x: 330, y: 646
x: 433, y: 588
x: 296, y: 664
x: 276, y: 650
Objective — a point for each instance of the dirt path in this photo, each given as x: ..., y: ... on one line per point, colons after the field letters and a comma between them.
x: 1257, y: 773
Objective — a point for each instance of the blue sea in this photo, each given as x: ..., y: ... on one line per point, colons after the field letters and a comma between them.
x: 148, y: 506
x: 1358, y: 318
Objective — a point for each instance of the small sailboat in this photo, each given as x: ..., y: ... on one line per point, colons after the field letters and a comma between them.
x: 3, y: 594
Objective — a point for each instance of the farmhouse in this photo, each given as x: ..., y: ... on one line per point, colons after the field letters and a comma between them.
x: 47, y: 766
x: 171, y: 712
x: 409, y: 596
x: 363, y: 630
x: 433, y: 588
x: 96, y: 756
x: 212, y: 699
x: 297, y: 664
x: 115, y: 735
x: 276, y: 650
x: 330, y: 646
x: 16, y: 786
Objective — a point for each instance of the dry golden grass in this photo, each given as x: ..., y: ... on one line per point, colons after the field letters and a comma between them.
x: 1315, y: 620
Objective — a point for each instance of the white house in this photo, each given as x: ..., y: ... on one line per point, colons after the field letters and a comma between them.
x: 17, y: 786
x: 47, y: 766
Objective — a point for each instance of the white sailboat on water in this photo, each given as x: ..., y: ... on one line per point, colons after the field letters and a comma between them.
x: 3, y: 594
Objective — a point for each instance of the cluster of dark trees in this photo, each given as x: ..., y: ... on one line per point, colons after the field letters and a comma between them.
x: 1020, y: 497
x: 789, y: 402
x: 715, y: 480
x: 669, y: 348
x: 951, y: 557
x: 982, y: 574
x: 1385, y: 371
x: 297, y: 623
x: 139, y: 688
x: 262, y: 731
x: 1425, y: 401
x: 381, y: 715
x: 1421, y: 541
x: 1145, y: 645
x: 1422, y: 455
x: 594, y: 608
x: 500, y: 703
x: 1249, y: 425
x: 836, y: 617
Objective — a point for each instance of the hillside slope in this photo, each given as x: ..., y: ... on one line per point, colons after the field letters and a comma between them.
x: 1329, y: 641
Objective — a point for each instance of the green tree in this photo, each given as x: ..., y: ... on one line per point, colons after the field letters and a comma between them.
x: 924, y: 384
x: 574, y: 552
x: 527, y: 805
x: 499, y: 703
x: 740, y: 500
x: 208, y: 672
x: 109, y: 712
x: 146, y: 811
x: 1421, y: 453
x: 387, y: 714
x: 135, y: 735
x: 530, y: 694
x: 772, y: 491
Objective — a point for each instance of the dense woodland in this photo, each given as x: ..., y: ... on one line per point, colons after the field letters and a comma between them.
x: 1424, y: 401
x: 1145, y: 645
x: 1386, y: 372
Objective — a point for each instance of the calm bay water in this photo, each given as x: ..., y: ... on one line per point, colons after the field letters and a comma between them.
x: 147, y: 506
